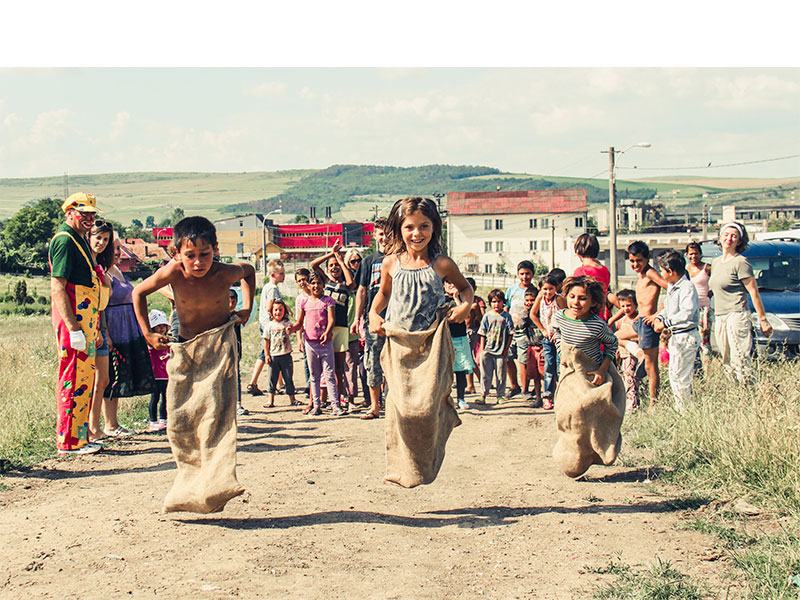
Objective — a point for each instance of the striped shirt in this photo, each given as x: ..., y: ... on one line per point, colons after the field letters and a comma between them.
x: 587, y: 336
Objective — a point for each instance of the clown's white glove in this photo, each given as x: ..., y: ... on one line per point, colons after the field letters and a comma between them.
x: 77, y: 340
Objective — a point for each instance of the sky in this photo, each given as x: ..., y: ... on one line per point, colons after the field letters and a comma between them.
x: 120, y: 111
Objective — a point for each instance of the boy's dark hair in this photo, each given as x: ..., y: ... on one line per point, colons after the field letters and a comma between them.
x: 639, y: 248
x: 496, y: 293
x: 531, y: 291
x: 526, y: 264
x: 401, y: 209
x: 559, y: 274
x: 381, y: 223
x: 694, y: 246
x: 232, y: 294
x: 587, y: 245
x: 592, y: 287
x: 628, y: 295
x: 550, y: 279
x: 192, y: 229
x: 672, y: 260
x: 315, y: 277
x: 302, y: 271
x: 471, y: 281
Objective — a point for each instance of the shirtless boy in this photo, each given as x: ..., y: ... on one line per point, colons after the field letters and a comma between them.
x: 648, y: 288
x: 200, y: 284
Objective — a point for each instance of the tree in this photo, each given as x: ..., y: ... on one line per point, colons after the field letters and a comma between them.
x: 137, y: 223
x: 27, y: 234
x: 779, y: 224
x: 150, y: 221
x: 177, y: 215
x: 300, y: 219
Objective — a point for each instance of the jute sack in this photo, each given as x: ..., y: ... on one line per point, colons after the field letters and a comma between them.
x: 201, y: 406
x: 588, y: 417
x: 420, y: 415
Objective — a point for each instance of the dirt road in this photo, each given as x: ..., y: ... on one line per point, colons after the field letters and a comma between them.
x: 317, y: 521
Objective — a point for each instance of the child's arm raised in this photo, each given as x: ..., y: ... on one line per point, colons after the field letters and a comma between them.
x: 163, y: 276
x: 316, y: 264
x: 382, y: 297
x: 247, y: 274
x: 348, y: 276
x: 448, y: 270
x: 655, y: 277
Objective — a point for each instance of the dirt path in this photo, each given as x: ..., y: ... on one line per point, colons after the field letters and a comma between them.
x: 316, y: 522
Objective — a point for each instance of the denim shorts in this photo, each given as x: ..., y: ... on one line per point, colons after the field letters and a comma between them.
x: 103, y: 350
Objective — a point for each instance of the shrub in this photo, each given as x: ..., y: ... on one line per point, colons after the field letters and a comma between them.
x: 20, y: 291
x: 42, y: 300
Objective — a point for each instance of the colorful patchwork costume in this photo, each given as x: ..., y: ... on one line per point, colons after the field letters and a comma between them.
x: 70, y: 258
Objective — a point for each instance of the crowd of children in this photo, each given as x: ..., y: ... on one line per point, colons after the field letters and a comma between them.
x: 510, y: 344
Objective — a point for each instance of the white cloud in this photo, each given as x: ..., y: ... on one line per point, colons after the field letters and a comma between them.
x: 119, y: 125
x: 759, y: 92
x: 268, y: 88
x: 562, y: 119
x: 307, y: 93
x: 49, y: 125
x: 11, y: 119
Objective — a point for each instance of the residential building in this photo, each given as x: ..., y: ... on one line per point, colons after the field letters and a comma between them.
x: 758, y: 216
x: 135, y: 251
x: 490, y: 232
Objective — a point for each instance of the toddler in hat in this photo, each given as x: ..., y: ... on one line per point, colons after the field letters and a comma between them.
x: 158, y: 358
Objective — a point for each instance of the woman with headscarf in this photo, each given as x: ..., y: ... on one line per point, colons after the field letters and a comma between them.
x: 730, y: 282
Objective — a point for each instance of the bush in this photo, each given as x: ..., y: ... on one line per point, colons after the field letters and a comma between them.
x: 20, y: 291
x: 42, y: 300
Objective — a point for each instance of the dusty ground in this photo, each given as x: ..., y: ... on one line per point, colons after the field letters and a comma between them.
x: 317, y: 521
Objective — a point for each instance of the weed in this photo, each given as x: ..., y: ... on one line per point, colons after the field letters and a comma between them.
x: 661, y: 581
x: 592, y: 498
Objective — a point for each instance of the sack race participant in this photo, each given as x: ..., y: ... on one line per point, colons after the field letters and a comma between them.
x: 203, y: 389
x: 418, y: 367
x: 201, y: 404
x: 588, y: 416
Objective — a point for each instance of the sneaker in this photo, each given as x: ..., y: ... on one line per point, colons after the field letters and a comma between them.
x: 481, y: 400
x: 163, y: 422
x: 462, y: 404
x: 89, y: 448
x: 547, y: 404
x: 500, y: 399
x: 119, y: 432
x: 242, y: 411
x: 336, y: 411
x: 514, y: 392
x: 156, y: 426
x: 316, y: 412
x: 536, y: 403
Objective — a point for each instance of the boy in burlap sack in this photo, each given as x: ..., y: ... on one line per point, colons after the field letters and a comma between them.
x: 202, y: 390
x: 590, y: 397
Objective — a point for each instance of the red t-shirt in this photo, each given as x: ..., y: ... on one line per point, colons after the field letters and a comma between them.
x: 602, y: 275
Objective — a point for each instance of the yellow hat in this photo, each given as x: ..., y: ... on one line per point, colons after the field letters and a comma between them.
x: 82, y: 202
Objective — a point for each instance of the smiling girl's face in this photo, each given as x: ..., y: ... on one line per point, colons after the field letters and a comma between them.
x: 579, y: 303
x: 278, y: 312
x: 99, y: 241
x: 416, y: 230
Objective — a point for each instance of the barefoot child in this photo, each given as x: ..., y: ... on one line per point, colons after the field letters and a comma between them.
x: 631, y: 355
x: 278, y: 352
x: 648, y: 288
x: 202, y: 388
x: 496, y: 330
x: 316, y: 316
x: 579, y: 325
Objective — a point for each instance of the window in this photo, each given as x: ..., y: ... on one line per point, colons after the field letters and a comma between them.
x: 241, y: 223
x: 533, y: 223
x: 487, y: 269
x: 545, y: 223
x: 579, y: 222
x: 534, y: 245
x: 498, y: 246
x: 239, y: 248
x: 487, y: 224
x: 487, y: 246
x: 498, y: 223
x: 241, y: 234
x: 545, y: 245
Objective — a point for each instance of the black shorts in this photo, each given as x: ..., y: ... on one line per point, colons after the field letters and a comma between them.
x: 648, y: 338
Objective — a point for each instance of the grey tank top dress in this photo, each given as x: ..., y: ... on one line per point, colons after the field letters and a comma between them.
x: 416, y: 295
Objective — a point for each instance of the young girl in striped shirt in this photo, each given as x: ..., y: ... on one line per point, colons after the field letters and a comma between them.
x: 579, y: 325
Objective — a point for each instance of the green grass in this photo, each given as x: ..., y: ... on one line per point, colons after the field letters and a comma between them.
x: 734, y: 442
x: 659, y: 581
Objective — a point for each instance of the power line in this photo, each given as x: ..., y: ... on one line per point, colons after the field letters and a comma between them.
x: 710, y: 165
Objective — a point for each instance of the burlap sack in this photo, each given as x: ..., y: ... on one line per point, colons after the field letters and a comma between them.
x: 201, y: 408
x: 588, y: 417
x: 420, y: 415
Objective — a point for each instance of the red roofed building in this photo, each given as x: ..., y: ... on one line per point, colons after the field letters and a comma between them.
x: 491, y: 232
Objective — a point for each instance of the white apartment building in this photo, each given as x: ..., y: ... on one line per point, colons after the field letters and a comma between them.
x: 491, y: 232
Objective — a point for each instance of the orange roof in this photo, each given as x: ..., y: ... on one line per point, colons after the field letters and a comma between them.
x: 516, y: 202
x: 145, y: 251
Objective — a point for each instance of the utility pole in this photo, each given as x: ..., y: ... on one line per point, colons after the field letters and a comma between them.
x: 705, y: 222
x: 552, y: 243
x: 612, y: 220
